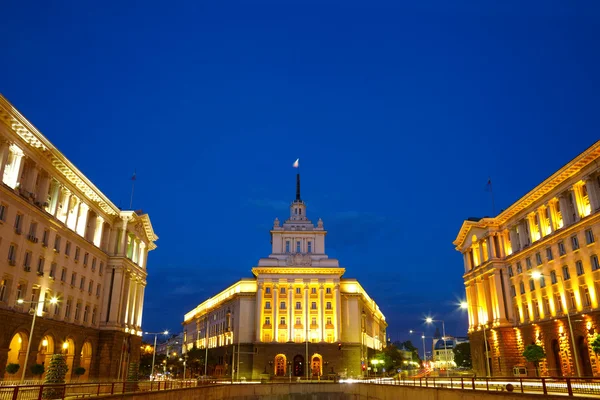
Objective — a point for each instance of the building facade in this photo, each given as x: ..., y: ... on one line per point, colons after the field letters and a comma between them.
x: 533, y: 265
x: 443, y: 351
x: 61, y: 237
x: 296, y: 317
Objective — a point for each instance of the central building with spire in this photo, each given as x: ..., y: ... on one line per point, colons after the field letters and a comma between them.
x: 296, y: 317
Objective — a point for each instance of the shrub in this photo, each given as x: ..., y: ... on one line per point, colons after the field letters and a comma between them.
x: 12, y: 368
x: 37, y: 369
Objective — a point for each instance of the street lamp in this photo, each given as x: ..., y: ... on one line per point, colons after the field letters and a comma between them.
x: 154, y: 349
x: 537, y: 275
x: 430, y: 320
x: 422, y: 337
x: 53, y: 300
x: 464, y: 305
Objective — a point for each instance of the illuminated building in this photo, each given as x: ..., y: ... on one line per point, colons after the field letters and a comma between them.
x: 297, y: 294
x: 552, y: 234
x: 61, y: 237
x: 443, y: 353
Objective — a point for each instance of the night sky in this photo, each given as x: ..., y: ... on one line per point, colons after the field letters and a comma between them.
x: 399, y: 114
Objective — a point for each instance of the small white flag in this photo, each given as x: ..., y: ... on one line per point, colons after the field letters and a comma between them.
x: 297, y: 163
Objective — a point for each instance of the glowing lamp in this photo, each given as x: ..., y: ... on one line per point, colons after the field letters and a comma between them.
x: 20, y: 301
x: 54, y: 300
x: 65, y: 345
x: 45, y: 342
x: 464, y: 305
x: 536, y: 275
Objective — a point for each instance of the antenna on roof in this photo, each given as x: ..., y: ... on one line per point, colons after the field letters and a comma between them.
x: 133, y: 178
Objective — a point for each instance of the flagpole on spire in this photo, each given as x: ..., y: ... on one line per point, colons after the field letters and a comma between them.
x: 489, y: 187
x: 297, y: 165
x: 133, y: 178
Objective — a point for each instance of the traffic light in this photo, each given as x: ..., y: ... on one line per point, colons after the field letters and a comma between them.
x: 364, y: 367
x: 339, y: 346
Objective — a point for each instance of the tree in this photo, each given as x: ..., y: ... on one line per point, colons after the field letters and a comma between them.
x: 37, y: 369
x: 79, y: 371
x: 596, y: 344
x: 12, y: 368
x: 534, y: 354
x: 57, y: 371
x: 462, y: 355
x: 133, y: 376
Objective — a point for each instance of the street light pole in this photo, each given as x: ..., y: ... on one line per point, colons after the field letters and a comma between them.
x: 537, y: 275
x: 53, y: 300
x: 154, y: 348
x: 465, y: 305
x: 423, y: 338
x: 429, y: 320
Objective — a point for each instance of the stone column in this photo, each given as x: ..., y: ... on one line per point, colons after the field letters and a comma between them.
x: 290, y: 313
x: 490, y: 246
x: 524, y: 238
x: 590, y: 185
x: 140, y: 305
x: 466, y: 261
x: 65, y: 202
x: 42, y: 192
x: 306, y: 314
x: 259, y: 296
x: 514, y: 240
x: 565, y: 209
x: 338, y: 312
x: 72, y: 212
x: 502, y: 317
x: 54, y: 195
x: 275, y: 312
x: 16, y: 169
x: 4, y: 146
x: 481, y: 255
x: 31, y: 178
x: 321, y: 312
x: 143, y: 255
x: 98, y: 231
x: 123, y: 239
x: 133, y: 302
x: 117, y: 294
x: 82, y: 217
x: 126, y: 298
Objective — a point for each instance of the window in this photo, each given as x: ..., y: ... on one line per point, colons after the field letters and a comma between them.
x: 33, y: 229
x: 565, y: 270
x: 3, y: 212
x: 297, y: 290
x: 522, y: 288
x: 313, y: 305
x: 328, y: 320
x: 558, y: 302
x: 68, y: 248
x: 27, y: 260
x: 309, y: 248
x: 282, y: 321
x: 86, y: 256
x: 268, y: 305
x: 45, y: 237
x: 536, y: 309
x: 12, y: 254
x: 101, y: 270
x: 298, y: 321
x: 546, y: 307
x: 40, y: 266
x: 510, y: 271
x: 3, y: 286
x: 531, y: 285
x: 94, y: 316
x: 574, y: 242
x: 561, y: 248
x: 77, y: 251
x: 68, y: 309
x: 549, y: 255
x: 86, y: 311
x: 77, y: 311
x: 579, y: 267
x: 526, y: 311
x: 328, y: 290
x: 282, y: 290
x: 298, y: 306
x: 589, y: 236
x: 528, y: 263
x: 328, y: 305
x: 519, y: 268
x: 82, y: 283
x: 282, y: 305
x: 93, y: 264
x: 98, y: 290
x: 298, y: 247
x: 287, y: 246
x: 587, y: 300
x: 91, y: 287
x: 513, y: 291
x: 18, y: 221
x: 313, y: 321
x: 73, y: 278
x: 57, y: 244
x: 267, y: 320
x: 63, y: 275
x: 542, y: 282
x: 313, y: 290
x: 553, y: 277
x: 538, y: 258
x: 53, y: 270
x: 20, y: 291
x: 594, y: 262
x: 571, y: 296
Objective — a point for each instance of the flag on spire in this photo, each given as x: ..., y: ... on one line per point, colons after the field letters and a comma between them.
x: 133, y: 176
x: 296, y: 163
x: 488, y: 185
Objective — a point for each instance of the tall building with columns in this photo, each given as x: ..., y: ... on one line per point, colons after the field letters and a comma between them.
x: 531, y: 267
x: 297, y: 316
x: 60, y: 236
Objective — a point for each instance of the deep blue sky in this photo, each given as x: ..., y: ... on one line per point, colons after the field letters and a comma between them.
x: 399, y: 113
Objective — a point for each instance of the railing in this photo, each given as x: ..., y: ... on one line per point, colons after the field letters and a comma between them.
x: 565, y: 386
x: 82, y: 390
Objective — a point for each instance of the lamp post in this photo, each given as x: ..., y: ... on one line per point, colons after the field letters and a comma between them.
x: 430, y: 320
x: 423, y: 338
x: 464, y: 305
x: 154, y: 349
x: 537, y: 275
x: 53, y: 300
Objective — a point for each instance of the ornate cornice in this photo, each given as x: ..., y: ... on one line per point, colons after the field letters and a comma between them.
x: 298, y: 271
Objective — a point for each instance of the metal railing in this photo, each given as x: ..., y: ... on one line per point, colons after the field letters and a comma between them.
x: 546, y: 386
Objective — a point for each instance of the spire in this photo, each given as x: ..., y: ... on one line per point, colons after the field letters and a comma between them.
x: 298, y: 187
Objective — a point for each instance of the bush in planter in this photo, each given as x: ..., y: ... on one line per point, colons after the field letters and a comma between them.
x: 12, y: 368
x: 534, y: 354
x: 37, y: 369
x: 79, y: 371
x: 57, y: 371
x: 133, y: 376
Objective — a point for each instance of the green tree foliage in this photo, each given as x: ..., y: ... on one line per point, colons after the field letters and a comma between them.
x: 57, y: 371
x: 195, y: 361
x: 534, y: 354
x: 37, y: 369
x: 462, y: 355
x: 596, y: 344
x: 79, y: 371
x: 12, y: 368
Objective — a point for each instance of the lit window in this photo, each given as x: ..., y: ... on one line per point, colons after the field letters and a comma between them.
x: 574, y: 242
x: 579, y: 268
x: 297, y: 290
x: 309, y: 247
x: 298, y: 321
x: 328, y: 305
x: 589, y: 236
x: 267, y: 320
x: 558, y: 302
x: 282, y: 321
x: 268, y: 305
x: 313, y: 306
x: 298, y: 306
x: 587, y: 300
x: 282, y: 290
x: 328, y: 320
x: 328, y: 290
x: 566, y: 275
x: 519, y: 268
x: 313, y: 290
x: 549, y: 255
x: 268, y: 290
x: 282, y: 305
x: 313, y: 321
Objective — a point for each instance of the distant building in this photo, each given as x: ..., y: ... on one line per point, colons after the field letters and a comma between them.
x: 443, y: 351
x: 296, y: 317
x: 529, y: 267
x: 173, y: 345
x: 60, y: 236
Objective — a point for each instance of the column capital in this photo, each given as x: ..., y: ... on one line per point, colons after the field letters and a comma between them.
x: 260, y: 285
